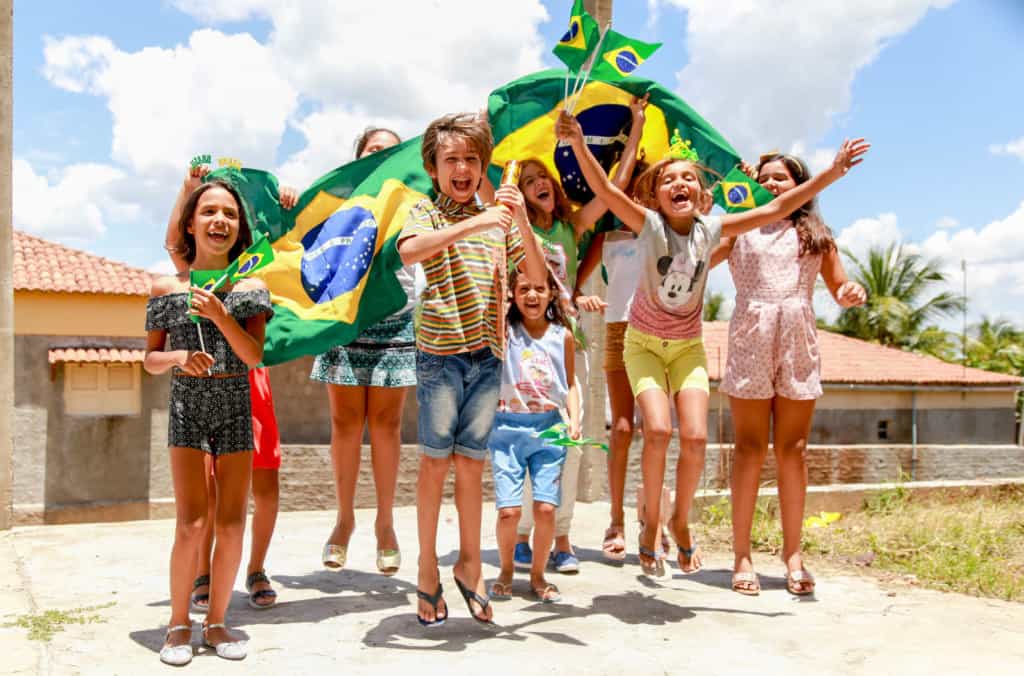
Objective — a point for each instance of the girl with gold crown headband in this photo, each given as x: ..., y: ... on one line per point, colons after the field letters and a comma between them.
x: 664, y: 351
x: 773, y: 369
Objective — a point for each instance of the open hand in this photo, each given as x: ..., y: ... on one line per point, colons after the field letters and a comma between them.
x: 591, y: 303
x: 206, y: 304
x: 196, y: 363
x: 194, y: 177
x: 851, y: 294
x: 850, y: 154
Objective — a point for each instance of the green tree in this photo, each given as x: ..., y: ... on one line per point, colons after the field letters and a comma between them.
x: 904, y: 300
x: 996, y: 345
x: 714, y: 307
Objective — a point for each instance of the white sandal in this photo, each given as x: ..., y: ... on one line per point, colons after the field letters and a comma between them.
x: 334, y: 556
x: 229, y: 650
x: 177, y: 655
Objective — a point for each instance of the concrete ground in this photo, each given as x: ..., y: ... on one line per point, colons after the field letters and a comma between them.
x: 612, y: 620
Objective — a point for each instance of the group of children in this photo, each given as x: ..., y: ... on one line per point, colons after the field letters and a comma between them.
x: 496, y: 361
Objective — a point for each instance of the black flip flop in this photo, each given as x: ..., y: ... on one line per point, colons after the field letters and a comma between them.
x: 433, y: 600
x: 194, y: 599
x: 259, y: 576
x: 469, y: 595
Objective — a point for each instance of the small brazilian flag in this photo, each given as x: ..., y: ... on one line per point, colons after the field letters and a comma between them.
x: 257, y: 256
x: 738, y: 192
x: 334, y: 255
x: 577, y: 43
x: 620, y: 56
x: 204, y: 279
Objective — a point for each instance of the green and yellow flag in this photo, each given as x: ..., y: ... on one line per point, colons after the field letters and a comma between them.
x: 738, y: 192
x: 620, y: 56
x: 577, y: 43
x: 334, y: 254
x: 523, y: 115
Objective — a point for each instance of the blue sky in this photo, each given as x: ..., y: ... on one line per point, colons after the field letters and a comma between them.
x: 940, y: 95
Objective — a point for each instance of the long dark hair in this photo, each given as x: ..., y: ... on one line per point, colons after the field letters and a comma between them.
x: 188, y: 211
x: 815, y: 237
x: 563, y: 209
x: 553, y: 313
x: 367, y: 134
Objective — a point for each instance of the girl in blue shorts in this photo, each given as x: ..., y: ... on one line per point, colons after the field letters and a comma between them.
x: 538, y: 390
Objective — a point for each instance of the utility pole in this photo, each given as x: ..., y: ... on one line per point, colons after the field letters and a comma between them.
x: 6, y: 260
x: 593, y: 466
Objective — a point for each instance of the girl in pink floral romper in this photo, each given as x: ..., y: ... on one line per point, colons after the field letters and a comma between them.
x: 773, y: 368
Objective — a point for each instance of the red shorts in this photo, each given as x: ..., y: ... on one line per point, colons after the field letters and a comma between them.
x: 264, y: 422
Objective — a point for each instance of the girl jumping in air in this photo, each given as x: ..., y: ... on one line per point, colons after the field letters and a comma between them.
x: 664, y: 351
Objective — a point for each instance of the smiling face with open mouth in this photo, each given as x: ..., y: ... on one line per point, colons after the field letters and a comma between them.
x: 679, y: 191
x: 532, y: 300
x: 458, y: 168
x: 215, y: 222
x: 537, y: 187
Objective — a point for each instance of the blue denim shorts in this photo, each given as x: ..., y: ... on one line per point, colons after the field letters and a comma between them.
x: 515, y: 449
x: 458, y: 397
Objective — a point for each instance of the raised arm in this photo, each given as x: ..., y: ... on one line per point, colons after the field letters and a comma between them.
x: 850, y: 155
x: 536, y: 268
x: 628, y: 211
x: 585, y: 218
x: 172, y: 238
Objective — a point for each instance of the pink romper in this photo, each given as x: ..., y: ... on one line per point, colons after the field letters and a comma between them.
x: 773, y: 338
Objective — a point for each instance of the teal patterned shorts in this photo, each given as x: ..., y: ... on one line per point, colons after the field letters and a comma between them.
x: 383, y: 355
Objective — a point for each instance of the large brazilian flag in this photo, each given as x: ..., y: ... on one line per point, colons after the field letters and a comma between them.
x: 335, y: 258
x: 523, y: 115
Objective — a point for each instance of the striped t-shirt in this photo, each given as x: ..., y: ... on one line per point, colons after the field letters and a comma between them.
x: 458, y: 309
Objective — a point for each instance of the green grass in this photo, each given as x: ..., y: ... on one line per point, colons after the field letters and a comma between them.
x: 42, y: 626
x: 956, y: 541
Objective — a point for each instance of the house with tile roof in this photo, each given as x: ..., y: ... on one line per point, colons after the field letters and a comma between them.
x: 85, y: 412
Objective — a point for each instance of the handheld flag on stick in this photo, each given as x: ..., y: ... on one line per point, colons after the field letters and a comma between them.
x: 558, y: 435
x: 738, y: 192
x: 621, y: 56
x: 577, y: 43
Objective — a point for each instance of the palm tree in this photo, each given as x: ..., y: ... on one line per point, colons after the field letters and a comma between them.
x: 996, y: 345
x: 902, y: 298
x: 714, y: 307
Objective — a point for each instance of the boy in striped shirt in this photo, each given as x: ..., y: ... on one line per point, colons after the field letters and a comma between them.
x: 465, y: 250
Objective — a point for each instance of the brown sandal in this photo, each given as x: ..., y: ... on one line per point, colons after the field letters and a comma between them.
x: 746, y: 582
x: 799, y: 582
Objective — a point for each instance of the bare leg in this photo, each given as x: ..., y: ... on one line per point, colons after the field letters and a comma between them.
x: 543, y: 531
x: 623, y: 409
x: 692, y: 411
x: 469, y: 503
x: 505, y: 530
x: 792, y: 427
x: 234, y: 471
x: 348, y: 415
x: 654, y: 405
x: 384, y: 416
x: 266, y: 498
x: 751, y: 420
x: 206, y: 545
x: 190, y: 503
x: 429, y: 489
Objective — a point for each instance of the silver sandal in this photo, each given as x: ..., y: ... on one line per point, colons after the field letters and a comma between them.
x: 229, y: 650
x: 177, y: 655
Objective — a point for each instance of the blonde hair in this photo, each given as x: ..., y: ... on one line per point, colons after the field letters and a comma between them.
x: 465, y: 125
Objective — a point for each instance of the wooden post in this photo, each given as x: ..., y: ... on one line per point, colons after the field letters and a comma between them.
x: 6, y: 262
x: 593, y: 477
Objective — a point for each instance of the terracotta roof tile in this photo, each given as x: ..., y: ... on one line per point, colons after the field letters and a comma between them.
x: 41, y: 265
x: 95, y: 354
x: 852, y: 361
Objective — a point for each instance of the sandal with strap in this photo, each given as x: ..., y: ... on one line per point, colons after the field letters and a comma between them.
x: 434, y: 600
x: 689, y: 553
x: 471, y: 597
x: 655, y: 569
x: 200, y: 603
x: 746, y: 582
x: 177, y: 655
x: 614, y: 546
x: 255, y: 596
x: 334, y: 556
x: 548, y: 594
x: 388, y: 561
x: 228, y: 650
x: 501, y: 591
x: 799, y: 582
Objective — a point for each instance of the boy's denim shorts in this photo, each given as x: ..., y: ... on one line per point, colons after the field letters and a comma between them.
x: 515, y: 449
x: 458, y: 397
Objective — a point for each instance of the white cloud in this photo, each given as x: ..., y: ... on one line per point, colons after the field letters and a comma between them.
x: 1015, y: 148
x: 219, y: 91
x: 946, y: 223
x: 867, y: 233
x: 772, y: 77
x: 75, y: 205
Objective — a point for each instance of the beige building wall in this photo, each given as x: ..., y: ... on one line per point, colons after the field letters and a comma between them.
x: 46, y: 313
